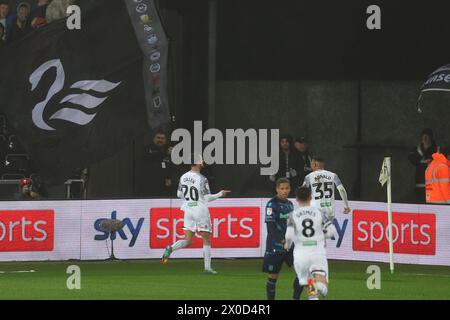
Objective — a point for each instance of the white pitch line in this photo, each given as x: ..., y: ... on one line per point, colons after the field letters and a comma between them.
x: 19, y: 271
x: 427, y: 274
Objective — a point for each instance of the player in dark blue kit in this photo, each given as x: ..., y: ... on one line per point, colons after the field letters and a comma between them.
x: 277, y: 213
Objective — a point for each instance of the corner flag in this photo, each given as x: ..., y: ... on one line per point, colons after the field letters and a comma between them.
x: 385, y: 176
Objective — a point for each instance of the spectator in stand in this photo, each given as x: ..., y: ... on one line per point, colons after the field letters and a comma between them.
x: 27, y: 191
x: 160, y: 181
x: 289, y: 163
x: 420, y: 157
x: 22, y: 24
x: 302, y: 147
x: 4, y: 12
x: 57, y: 9
x: 38, y: 16
x: 2, y: 32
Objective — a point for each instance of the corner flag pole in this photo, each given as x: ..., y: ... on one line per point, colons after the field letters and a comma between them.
x: 385, y: 176
x: 389, y: 203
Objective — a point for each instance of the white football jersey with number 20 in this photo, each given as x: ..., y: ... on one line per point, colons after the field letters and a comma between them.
x: 193, y: 188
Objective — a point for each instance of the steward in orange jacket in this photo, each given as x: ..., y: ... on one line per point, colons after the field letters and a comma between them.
x: 437, y: 178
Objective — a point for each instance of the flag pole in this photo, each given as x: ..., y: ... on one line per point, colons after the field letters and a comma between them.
x: 389, y: 203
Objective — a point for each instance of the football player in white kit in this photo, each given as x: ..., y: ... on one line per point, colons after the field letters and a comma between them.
x: 322, y: 184
x: 307, y: 229
x: 194, y: 190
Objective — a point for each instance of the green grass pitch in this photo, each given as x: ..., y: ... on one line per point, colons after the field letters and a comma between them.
x: 237, y: 279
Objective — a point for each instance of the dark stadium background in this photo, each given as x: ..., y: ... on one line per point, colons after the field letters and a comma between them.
x: 313, y: 69
x: 308, y: 68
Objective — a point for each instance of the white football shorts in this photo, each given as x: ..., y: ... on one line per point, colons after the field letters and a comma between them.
x: 307, y: 264
x: 197, y: 219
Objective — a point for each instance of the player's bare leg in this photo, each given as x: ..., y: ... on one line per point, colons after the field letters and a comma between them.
x: 186, y: 242
x: 273, y: 276
x: 206, y: 236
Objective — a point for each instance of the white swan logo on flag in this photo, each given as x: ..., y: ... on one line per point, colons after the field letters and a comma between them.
x: 84, y: 100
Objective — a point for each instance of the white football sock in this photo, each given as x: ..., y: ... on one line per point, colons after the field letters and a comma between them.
x: 179, y: 244
x: 322, y: 288
x: 207, y: 256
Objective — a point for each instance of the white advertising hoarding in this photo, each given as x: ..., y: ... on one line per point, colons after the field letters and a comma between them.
x: 63, y: 230
x: 31, y: 231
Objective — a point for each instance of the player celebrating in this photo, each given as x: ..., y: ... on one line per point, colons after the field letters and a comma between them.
x: 322, y: 184
x: 277, y: 213
x: 307, y: 229
x: 194, y: 190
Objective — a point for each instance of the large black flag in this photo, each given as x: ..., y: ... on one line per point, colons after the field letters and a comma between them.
x: 437, y: 81
x: 75, y: 97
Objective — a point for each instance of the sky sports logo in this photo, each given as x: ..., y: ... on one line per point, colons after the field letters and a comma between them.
x: 413, y: 233
x: 26, y: 230
x: 129, y: 232
x: 233, y: 227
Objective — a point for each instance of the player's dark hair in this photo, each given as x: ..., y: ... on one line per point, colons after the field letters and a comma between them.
x: 281, y: 181
x: 318, y: 159
x: 303, y: 194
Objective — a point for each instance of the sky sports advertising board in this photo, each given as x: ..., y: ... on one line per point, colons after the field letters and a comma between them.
x: 63, y: 230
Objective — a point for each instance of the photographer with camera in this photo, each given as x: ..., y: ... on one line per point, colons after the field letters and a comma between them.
x: 28, y: 191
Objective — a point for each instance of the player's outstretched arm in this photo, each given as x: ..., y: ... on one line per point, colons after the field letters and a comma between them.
x: 343, y: 194
x: 212, y: 197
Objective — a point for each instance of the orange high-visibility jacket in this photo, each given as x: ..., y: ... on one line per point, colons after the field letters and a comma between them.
x: 437, y: 180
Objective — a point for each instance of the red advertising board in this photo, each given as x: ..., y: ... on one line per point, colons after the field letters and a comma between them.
x: 26, y: 230
x: 233, y: 227
x: 413, y: 233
